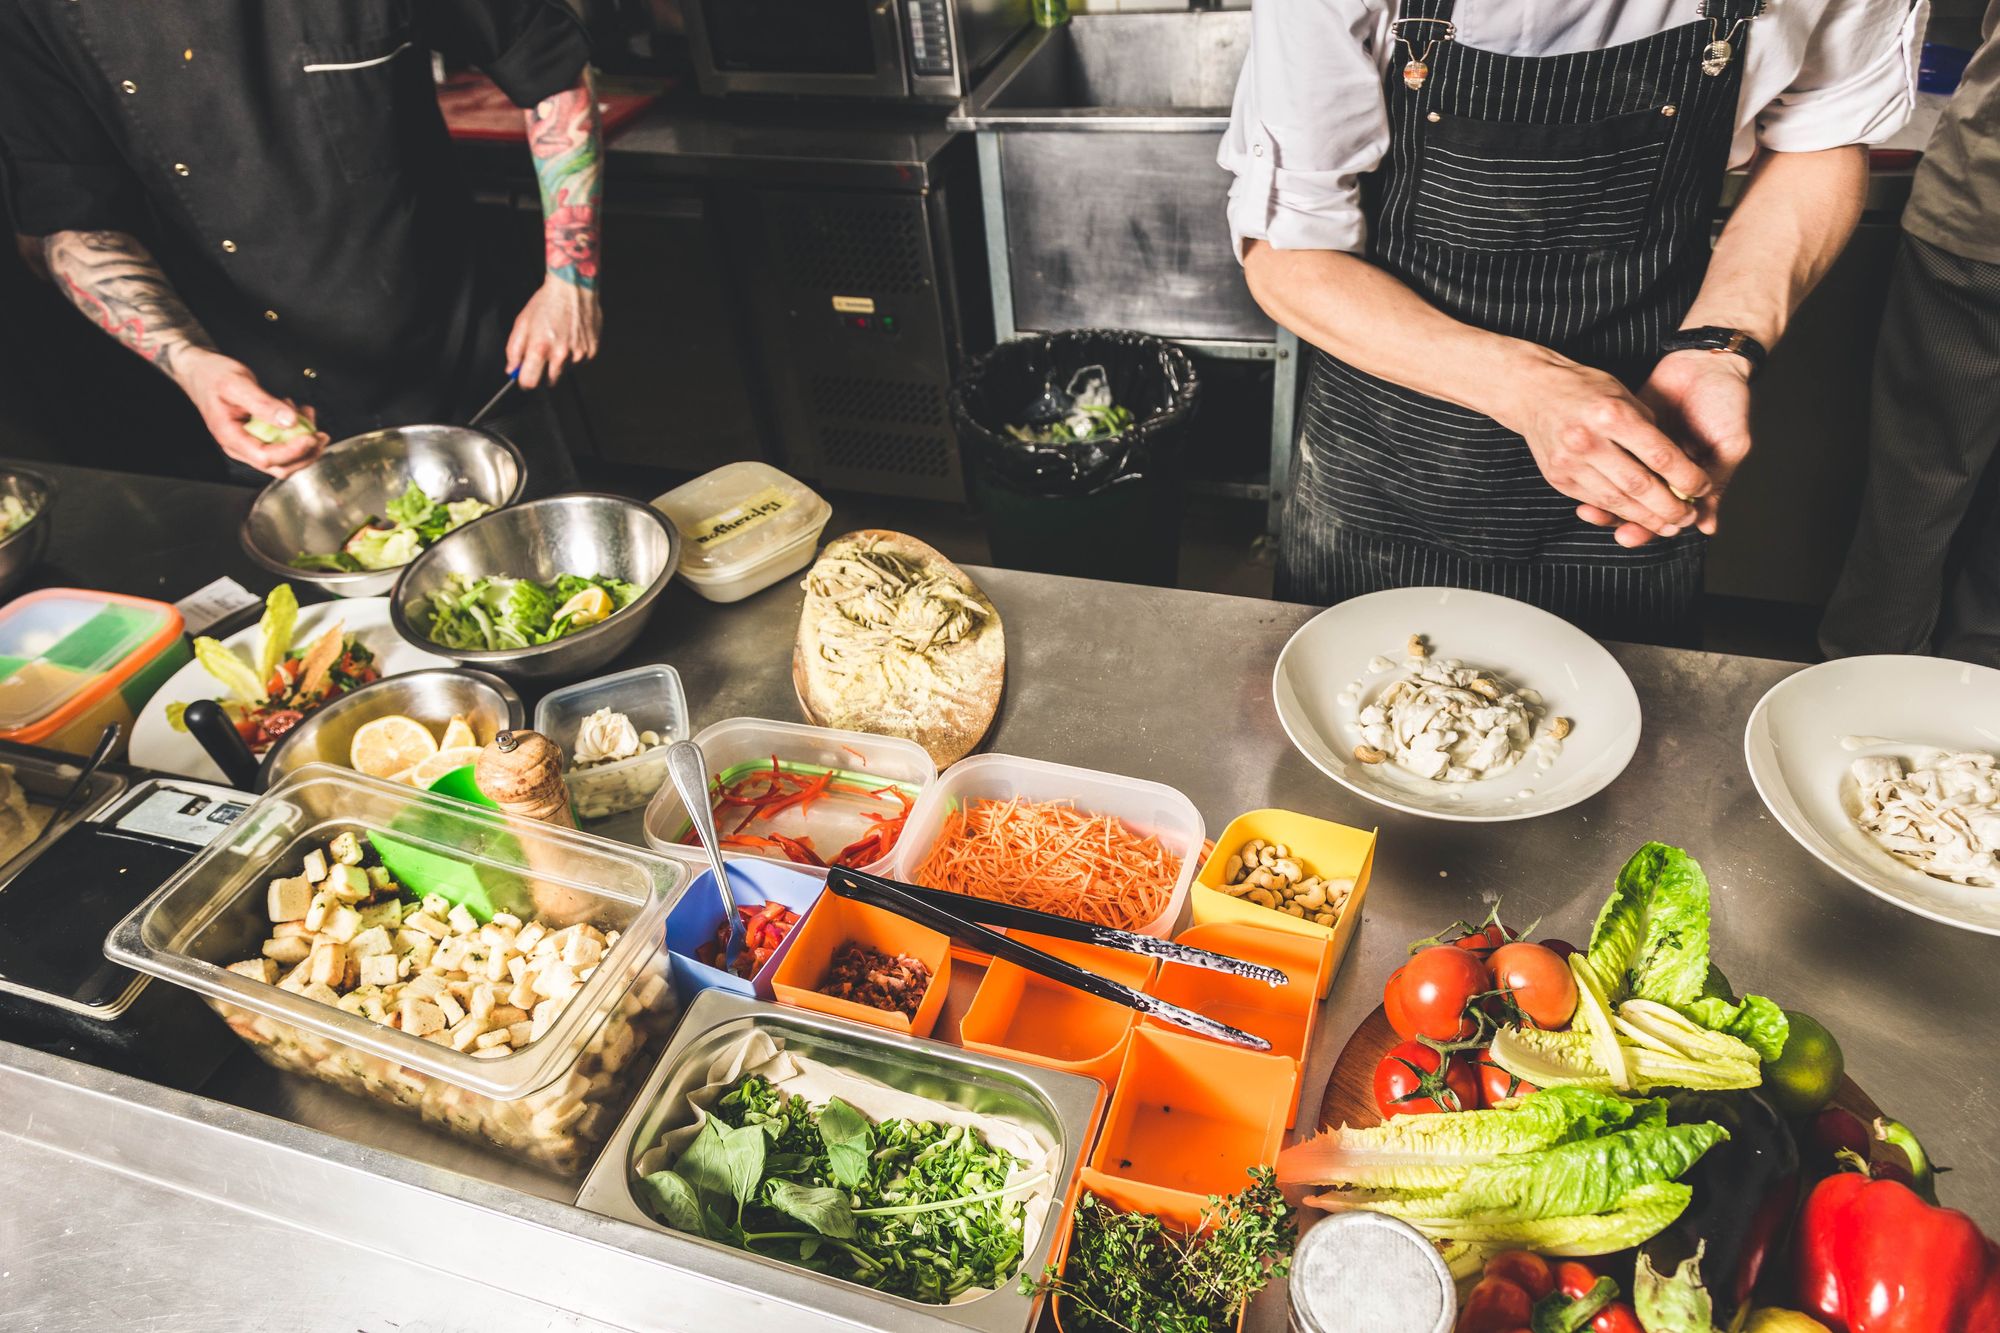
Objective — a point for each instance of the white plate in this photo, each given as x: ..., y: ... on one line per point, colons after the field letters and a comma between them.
x: 157, y: 745
x: 1528, y: 648
x: 1794, y: 746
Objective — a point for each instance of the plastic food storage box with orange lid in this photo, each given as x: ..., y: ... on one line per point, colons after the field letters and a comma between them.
x: 834, y: 922
x: 72, y: 660
x: 1027, y: 1016
x: 1326, y: 849
x: 744, y: 527
x: 1188, y: 1119
x: 1148, y: 809
x: 547, y: 1103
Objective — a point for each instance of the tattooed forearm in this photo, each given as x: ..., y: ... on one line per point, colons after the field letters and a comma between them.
x: 565, y: 137
x: 111, y: 278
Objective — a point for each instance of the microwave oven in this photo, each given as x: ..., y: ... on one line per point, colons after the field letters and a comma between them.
x: 881, y: 50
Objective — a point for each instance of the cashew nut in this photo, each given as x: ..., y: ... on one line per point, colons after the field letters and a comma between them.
x: 1293, y: 909
x: 1484, y: 688
x: 1262, y: 897
x: 1261, y: 879
x: 1416, y: 647
x: 1558, y: 728
x: 1313, y: 899
x: 1232, y: 869
x: 1325, y: 918
x: 1368, y: 754
x: 1287, y: 870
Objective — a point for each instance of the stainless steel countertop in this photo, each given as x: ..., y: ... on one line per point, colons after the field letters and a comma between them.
x: 1173, y: 686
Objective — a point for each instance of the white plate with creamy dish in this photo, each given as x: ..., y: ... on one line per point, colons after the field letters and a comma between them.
x: 1886, y: 769
x: 1456, y: 705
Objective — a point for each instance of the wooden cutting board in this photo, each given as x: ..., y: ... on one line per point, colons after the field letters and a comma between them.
x: 948, y: 724
x: 1350, y: 1097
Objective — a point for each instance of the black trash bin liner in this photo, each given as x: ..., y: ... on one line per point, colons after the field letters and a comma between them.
x: 1106, y: 508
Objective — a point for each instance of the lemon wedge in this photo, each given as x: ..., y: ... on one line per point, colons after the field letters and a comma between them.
x: 587, y: 607
x: 458, y: 734
x: 441, y: 763
x: 386, y: 746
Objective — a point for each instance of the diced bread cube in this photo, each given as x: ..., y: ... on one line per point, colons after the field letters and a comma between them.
x: 285, y: 930
x: 491, y: 1052
x: 380, y: 880
x: 583, y: 950
x: 324, y: 994
x: 497, y: 1037
x: 506, y: 1015
x: 556, y: 982
x: 257, y: 969
x: 462, y: 921
x: 425, y: 923
x: 315, y: 869
x: 531, y: 935
x: 420, y: 1017
x: 481, y: 1002
x: 553, y: 1120
x: 293, y: 949
x: 346, y: 849
x: 348, y: 883
x: 437, y: 904
x: 506, y: 921
x: 341, y: 924
x: 521, y: 1033
x: 322, y: 903
x: 295, y: 980
x: 288, y: 899
x: 454, y: 1012
x: 329, y: 963
x: 371, y: 940
x: 464, y: 1033
x: 496, y: 967
x: 523, y: 995
x: 426, y: 985
x: 378, y: 969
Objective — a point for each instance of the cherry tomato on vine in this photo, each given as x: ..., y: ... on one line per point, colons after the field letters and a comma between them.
x: 1496, y: 1085
x: 1560, y: 948
x: 1526, y: 1270
x: 1436, y: 988
x: 1541, y: 983
x: 1495, y: 1305
x: 1574, y: 1279
x: 1617, y: 1317
x: 1392, y: 1005
x: 1408, y: 1081
x: 1485, y: 939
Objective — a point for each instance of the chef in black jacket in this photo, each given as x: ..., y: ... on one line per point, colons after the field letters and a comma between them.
x: 259, y: 197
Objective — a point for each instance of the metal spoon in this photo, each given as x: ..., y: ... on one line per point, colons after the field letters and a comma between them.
x: 107, y: 741
x: 689, y: 771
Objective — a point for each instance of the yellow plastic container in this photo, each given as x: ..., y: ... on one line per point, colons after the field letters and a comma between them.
x: 1326, y: 849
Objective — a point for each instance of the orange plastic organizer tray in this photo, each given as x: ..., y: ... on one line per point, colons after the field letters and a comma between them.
x: 836, y: 921
x: 1188, y: 1119
x: 1025, y: 1016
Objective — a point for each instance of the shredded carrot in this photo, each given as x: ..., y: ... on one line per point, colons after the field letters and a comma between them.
x: 1048, y: 856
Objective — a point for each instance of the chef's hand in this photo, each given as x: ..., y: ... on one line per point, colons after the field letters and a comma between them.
x: 1599, y: 445
x: 558, y: 327
x: 1703, y: 401
x: 227, y: 395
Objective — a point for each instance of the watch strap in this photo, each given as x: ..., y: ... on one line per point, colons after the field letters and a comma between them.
x: 1714, y: 338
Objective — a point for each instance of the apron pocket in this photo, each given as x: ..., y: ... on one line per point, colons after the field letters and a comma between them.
x: 1502, y: 185
x: 361, y: 91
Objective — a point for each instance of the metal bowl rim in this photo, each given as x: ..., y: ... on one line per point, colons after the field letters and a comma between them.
x: 502, y: 657
x: 326, y: 578
x: 49, y: 492
x: 510, y: 700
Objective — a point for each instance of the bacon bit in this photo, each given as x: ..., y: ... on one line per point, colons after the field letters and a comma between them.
x: 868, y: 976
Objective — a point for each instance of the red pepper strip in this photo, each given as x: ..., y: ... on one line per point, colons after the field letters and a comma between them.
x: 1875, y: 1258
x: 802, y: 798
x: 749, y: 840
x: 799, y: 850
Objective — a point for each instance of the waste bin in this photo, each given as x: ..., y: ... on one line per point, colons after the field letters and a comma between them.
x: 1105, y: 508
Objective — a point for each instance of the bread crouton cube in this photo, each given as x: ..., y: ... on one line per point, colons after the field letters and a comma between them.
x: 346, y: 849
x: 329, y: 963
x: 292, y: 949
x: 420, y: 1017
x: 462, y: 921
x: 342, y: 924
x: 257, y: 969
x: 288, y: 899
x: 348, y: 883
x: 378, y: 969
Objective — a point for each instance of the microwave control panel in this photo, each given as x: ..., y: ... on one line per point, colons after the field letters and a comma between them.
x: 930, y: 36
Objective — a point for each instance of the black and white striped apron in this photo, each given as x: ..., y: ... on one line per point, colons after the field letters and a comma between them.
x: 1561, y: 199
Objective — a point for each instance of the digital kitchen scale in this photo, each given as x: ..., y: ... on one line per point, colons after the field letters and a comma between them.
x: 60, y: 898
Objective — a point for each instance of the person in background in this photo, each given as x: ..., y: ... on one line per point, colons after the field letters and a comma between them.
x: 259, y: 197
x: 1929, y: 508
x: 1492, y: 220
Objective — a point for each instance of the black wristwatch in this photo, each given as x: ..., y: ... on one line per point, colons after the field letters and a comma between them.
x: 1711, y: 338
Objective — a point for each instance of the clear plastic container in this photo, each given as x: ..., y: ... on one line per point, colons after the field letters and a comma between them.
x: 72, y: 660
x: 652, y: 697
x: 744, y: 527
x: 736, y: 746
x: 548, y: 1102
x: 1150, y: 809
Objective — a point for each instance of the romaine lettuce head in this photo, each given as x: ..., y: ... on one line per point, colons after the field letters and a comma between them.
x: 1651, y: 938
x: 1636, y: 1218
x: 1755, y: 1021
x: 1435, y: 1151
x: 1587, y: 1176
x: 1553, y: 1060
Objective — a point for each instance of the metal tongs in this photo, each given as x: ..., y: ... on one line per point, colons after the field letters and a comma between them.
x: 918, y: 905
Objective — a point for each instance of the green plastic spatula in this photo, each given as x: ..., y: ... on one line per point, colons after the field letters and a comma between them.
x: 422, y: 871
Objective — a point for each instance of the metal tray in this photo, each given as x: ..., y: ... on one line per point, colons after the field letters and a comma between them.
x: 1064, y: 1105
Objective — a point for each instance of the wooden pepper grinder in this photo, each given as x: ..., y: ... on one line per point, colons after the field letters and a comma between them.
x: 522, y: 772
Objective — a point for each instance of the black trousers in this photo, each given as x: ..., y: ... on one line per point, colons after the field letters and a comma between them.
x: 1923, y: 574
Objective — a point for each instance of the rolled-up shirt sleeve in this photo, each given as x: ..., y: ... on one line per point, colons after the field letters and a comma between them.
x: 60, y: 170
x: 1307, y: 124
x: 1857, y: 82
x: 532, y: 49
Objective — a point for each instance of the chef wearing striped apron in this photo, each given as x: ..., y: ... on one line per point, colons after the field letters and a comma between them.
x: 1491, y: 218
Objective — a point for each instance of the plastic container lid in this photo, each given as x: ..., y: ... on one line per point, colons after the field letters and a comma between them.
x: 62, y: 649
x: 739, y: 515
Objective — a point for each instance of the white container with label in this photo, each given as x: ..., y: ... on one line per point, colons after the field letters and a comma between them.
x: 744, y: 527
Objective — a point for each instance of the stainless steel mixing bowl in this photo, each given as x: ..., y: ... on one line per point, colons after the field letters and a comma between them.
x: 21, y: 548
x: 431, y: 697
x: 318, y: 509
x: 584, y: 533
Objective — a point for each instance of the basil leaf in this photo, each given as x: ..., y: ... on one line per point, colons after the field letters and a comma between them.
x: 743, y: 1161
x: 847, y: 1136
x: 825, y: 1210
x: 704, y: 1165
x: 671, y: 1199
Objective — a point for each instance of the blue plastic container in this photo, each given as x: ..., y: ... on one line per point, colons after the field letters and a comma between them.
x: 695, y: 916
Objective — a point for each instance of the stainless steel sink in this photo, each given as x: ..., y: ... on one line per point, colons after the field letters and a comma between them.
x: 1123, y: 225
x: 1099, y: 69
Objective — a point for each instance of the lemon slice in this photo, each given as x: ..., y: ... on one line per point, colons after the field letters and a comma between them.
x: 458, y: 733
x: 388, y: 745
x: 587, y: 607
x: 441, y: 763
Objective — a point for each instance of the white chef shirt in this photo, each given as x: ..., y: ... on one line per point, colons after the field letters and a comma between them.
x: 1309, y: 118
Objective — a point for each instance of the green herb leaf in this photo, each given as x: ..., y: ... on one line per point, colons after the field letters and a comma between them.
x: 743, y: 1160
x: 705, y: 1165
x: 820, y: 1207
x: 671, y: 1199
x: 846, y: 1133
x: 281, y: 618
x: 1651, y: 936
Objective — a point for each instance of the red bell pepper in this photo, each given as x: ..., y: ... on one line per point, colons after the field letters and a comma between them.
x: 1875, y: 1256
